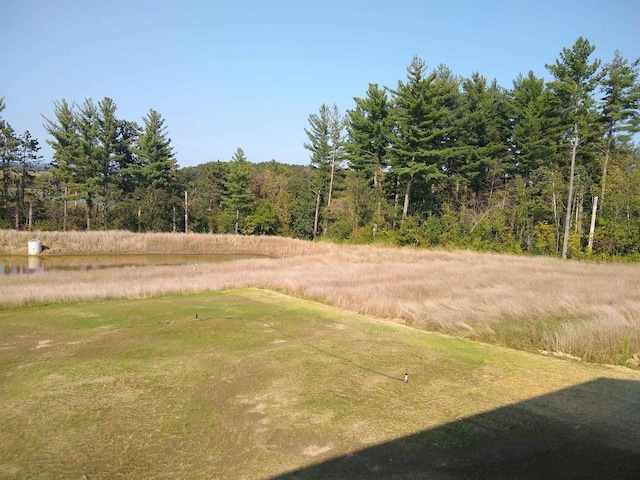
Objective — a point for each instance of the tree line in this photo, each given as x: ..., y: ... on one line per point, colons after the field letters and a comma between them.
x: 544, y: 167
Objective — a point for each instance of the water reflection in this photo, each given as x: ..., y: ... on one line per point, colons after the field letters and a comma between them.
x: 22, y: 265
x: 34, y: 263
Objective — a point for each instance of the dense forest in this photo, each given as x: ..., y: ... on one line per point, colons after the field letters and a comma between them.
x: 547, y: 168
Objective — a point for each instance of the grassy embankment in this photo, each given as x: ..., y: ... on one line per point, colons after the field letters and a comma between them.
x: 263, y: 385
x: 587, y: 310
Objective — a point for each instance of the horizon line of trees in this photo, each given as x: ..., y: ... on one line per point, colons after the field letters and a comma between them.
x: 544, y: 167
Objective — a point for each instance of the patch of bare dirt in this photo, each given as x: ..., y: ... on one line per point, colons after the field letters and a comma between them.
x: 330, y: 328
x: 315, y: 450
x: 43, y: 344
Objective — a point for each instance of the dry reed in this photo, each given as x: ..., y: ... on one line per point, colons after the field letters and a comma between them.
x: 14, y: 242
x: 590, y: 309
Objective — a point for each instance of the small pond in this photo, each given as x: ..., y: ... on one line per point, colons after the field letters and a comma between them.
x: 23, y: 264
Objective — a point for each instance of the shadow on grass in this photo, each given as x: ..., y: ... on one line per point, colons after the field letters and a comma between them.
x: 591, y: 430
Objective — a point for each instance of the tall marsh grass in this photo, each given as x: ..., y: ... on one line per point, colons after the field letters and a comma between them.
x: 14, y: 242
x: 584, y: 309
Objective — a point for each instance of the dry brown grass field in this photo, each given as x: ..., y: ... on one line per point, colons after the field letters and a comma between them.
x: 585, y: 309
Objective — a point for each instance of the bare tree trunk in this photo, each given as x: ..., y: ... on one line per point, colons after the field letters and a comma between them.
x: 604, y: 171
x: 556, y: 217
x: 377, y: 186
x: 378, y: 218
x: 317, y: 215
x: 30, y: 223
x: 186, y: 212
x: 210, y: 210
x: 17, y: 207
x: 567, y: 226
x: 89, y: 206
x: 396, y: 201
x: 173, y: 221
x: 64, y: 209
x: 105, y: 215
x: 592, y: 228
x: 579, y: 213
x: 5, y: 180
x: 333, y: 169
x: 237, y: 225
x: 407, y: 193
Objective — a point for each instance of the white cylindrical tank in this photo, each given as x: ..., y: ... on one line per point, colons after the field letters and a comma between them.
x: 35, y: 247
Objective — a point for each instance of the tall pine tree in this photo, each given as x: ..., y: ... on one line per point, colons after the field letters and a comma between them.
x: 65, y: 142
x: 319, y: 145
x: 156, y: 160
x: 422, y: 114
x: 483, y: 134
x: 368, y: 141
x: 620, y: 105
x: 238, y: 199
x: 575, y: 79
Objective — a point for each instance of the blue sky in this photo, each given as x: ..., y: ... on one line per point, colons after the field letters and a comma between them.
x: 229, y: 74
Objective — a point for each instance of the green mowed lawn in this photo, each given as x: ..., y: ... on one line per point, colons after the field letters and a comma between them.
x: 255, y: 384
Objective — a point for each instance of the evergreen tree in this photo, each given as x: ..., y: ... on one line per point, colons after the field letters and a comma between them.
x: 369, y: 137
x: 422, y: 114
x: 88, y: 169
x: 155, y: 174
x: 114, y: 138
x: 18, y: 157
x: 483, y: 134
x: 109, y: 141
x: 620, y: 105
x: 532, y: 132
x: 320, y: 147
x: 239, y: 199
x: 66, y: 149
x: 336, y: 144
x: 27, y: 158
x: 9, y: 144
x: 207, y: 182
x: 534, y: 150
x: 156, y: 160
x: 575, y: 81
x: 123, y: 161
x: 369, y: 133
x: 90, y: 145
